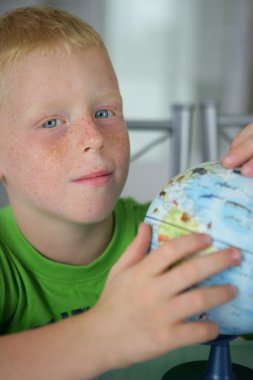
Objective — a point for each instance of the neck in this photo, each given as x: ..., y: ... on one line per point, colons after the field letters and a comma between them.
x: 65, y: 242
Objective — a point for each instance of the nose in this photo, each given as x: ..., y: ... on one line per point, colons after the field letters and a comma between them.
x: 91, y: 136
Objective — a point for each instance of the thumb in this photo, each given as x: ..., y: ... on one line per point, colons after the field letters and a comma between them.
x: 135, y: 251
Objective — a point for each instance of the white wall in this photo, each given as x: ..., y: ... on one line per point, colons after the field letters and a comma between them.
x: 177, y: 51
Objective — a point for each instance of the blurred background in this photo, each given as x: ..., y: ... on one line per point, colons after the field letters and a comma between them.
x: 166, y: 52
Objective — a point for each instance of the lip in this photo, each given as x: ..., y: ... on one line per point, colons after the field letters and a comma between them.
x: 94, y: 179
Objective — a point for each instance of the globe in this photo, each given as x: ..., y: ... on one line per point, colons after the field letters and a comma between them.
x: 218, y: 201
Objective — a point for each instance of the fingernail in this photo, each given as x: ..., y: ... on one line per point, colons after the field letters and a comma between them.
x: 235, y: 255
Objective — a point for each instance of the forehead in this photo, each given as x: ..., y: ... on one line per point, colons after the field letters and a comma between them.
x: 48, y: 74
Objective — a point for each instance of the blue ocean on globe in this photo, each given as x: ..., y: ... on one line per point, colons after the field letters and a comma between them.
x: 217, y: 201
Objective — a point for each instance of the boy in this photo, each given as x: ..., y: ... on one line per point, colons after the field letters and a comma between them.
x: 68, y: 243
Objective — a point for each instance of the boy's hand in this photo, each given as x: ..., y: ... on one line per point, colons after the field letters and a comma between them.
x: 145, y: 304
x: 241, y: 151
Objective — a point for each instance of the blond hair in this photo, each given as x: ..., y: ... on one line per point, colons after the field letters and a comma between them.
x: 25, y: 29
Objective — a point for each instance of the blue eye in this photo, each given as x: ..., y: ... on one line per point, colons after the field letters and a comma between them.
x: 52, y: 123
x: 103, y: 114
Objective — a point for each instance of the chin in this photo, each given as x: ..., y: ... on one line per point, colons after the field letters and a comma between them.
x: 90, y: 214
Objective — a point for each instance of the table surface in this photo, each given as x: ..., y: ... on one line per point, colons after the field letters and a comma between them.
x: 241, y: 353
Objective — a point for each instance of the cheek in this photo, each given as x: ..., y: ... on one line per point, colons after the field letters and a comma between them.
x: 120, y: 142
x: 27, y: 165
x: 41, y: 152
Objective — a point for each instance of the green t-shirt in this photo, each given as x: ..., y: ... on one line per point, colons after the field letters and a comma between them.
x: 35, y: 291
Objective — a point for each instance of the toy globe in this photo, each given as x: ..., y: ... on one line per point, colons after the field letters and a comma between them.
x: 212, y: 199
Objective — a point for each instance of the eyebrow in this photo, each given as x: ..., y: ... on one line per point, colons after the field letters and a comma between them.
x: 110, y: 95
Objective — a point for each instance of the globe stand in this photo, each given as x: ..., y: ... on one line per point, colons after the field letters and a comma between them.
x: 217, y: 367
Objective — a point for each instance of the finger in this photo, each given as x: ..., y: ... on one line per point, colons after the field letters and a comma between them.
x: 188, y: 333
x: 198, y: 300
x: 239, y: 155
x: 247, y: 168
x: 243, y: 135
x: 135, y: 251
x: 233, y: 158
x: 192, y: 271
x: 174, y: 250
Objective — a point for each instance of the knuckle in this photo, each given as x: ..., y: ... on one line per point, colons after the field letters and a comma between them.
x: 217, y: 261
x: 168, y: 249
x: 225, y: 256
x: 200, y: 299
x: 190, y: 271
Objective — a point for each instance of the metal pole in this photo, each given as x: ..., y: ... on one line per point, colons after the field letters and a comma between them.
x: 209, y: 129
x: 182, y: 115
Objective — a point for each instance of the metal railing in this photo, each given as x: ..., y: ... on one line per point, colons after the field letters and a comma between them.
x: 178, y: 129
x: 213, y: 126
